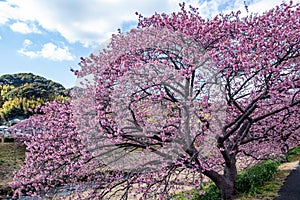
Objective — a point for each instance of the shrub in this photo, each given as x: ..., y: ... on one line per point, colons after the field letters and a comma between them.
x: 211, y: 192
x: 292, y: 153
x: 253, y: 177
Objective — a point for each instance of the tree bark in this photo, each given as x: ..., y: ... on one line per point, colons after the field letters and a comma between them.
x: 225, y: 182
x: 227, y: 190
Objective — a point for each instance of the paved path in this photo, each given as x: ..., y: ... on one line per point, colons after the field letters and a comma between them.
x: 291, y: 188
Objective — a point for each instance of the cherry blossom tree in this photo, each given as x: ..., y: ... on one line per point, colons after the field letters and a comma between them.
x: 179, y: 86
x: 54, y: 154
x: 180, y: 99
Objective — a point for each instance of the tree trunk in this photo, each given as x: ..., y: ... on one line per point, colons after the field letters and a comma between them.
x: 227, y: 189
x: 226, y: 182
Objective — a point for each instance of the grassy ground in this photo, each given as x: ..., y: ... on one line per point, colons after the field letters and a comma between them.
x: 11, y: 156
x: 270, y: 189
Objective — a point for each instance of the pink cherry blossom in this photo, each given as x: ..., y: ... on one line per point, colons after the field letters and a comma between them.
x: 173, y: 100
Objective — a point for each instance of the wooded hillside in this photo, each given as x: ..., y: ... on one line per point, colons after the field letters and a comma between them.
x: 21, y: 93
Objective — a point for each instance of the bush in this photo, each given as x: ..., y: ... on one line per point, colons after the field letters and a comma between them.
x: 292, y: 153
x: 211, y: 192
x: 253, y: 177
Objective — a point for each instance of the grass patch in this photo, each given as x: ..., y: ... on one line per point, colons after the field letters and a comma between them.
x: 269, y: 189
x: 209, y: 191
x: 293, y: 154
x: 252, y: 178
x: 11, y: 156
x: 11, y: 153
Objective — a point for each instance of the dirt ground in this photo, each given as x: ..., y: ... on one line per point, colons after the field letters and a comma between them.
x: 288, y: 166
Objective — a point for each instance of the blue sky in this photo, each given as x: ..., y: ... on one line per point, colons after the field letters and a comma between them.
x: 48, y: 37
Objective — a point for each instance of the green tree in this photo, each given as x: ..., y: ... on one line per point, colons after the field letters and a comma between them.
x: 4, y: 90
x: 23, y: 92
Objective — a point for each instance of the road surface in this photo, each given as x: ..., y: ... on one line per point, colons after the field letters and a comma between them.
x: 291, y: 188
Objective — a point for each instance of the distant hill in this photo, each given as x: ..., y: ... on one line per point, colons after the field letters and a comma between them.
x: 24, y: 91
x: 20, y: 79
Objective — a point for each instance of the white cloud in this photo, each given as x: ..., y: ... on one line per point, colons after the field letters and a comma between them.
x: 79, y: 21
x: 93, y: 22
x: 49, y: 51
x: 24, y: 28
x: 260, y: 6
x: 211, y: 8
x: 54, y: 52
x: 4, y: 12
x: 0, y: 37
x: 27, y: 42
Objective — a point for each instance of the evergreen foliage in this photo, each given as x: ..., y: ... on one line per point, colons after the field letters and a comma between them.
x: 21, y: 93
